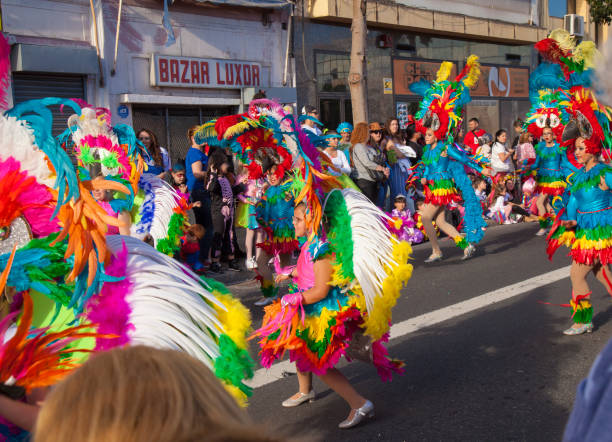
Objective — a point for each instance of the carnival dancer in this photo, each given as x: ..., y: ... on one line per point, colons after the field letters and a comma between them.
x: 585, y: 222
x: 442, y: 169
x: 273, y: 214
x: 324, y: 316
x: 552, y: 168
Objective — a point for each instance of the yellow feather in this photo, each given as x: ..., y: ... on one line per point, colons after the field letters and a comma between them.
x: 238, y: 129
x: 444, y: 72
x: 565, y: 40
x: 472, y: 76
x: 377, y: 322
x: 236, y: 319
x: 587, y: 52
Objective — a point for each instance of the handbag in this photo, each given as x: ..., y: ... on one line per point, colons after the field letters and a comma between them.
x: 375, y: 175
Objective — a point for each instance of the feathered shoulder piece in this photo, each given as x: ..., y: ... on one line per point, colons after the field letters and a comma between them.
x: 443, y: 99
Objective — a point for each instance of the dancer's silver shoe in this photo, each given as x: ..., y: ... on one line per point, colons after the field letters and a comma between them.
x: 302, y: 397
x: 434, y: 257
x: 366, y: 411
x: 584, y: 328
x: 469, y: 252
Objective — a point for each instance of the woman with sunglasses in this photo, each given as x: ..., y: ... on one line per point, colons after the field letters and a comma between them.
x: 158, y: 160
x: 368, y: 159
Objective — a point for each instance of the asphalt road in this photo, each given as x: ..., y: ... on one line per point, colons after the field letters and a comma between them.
x: 503, y: 372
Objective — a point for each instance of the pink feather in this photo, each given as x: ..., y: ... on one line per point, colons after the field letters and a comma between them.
x: 110, y: 308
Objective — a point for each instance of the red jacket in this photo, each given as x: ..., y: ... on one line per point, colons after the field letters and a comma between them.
x: 470, y: 141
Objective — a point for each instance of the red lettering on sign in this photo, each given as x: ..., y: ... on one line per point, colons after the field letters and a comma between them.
x: 184, y: 78
x: 195, y: 72
x: 219, y: 81
x: 237, y: 69
x: 247, y: 75
x: 174, y: 71
x: 204, y: 72
x: 229, y: 73
x: 255, y: 75
x: 163, y: 70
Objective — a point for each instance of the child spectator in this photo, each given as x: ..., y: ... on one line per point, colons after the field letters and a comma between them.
x: 190, y: 247
x: 403, y: 226
x: 222, y: 211
x: 500, y: 210
x: 480, y: 189
x: 525, y: 153
x: 246, y: 217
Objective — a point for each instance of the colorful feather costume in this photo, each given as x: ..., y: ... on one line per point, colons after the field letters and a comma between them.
x: 585, y: 202
x: 443, y: 163
x: 370, y: 267
x: 79, y: 278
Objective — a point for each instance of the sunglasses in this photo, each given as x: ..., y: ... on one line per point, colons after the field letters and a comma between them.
x: 376, y: 131
x: 144, y: 138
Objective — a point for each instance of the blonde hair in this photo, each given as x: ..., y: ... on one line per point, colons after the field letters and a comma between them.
x: 197, y: 230
x: 138, y: 394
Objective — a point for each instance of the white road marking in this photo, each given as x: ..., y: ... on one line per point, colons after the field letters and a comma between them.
x: 264, y: 376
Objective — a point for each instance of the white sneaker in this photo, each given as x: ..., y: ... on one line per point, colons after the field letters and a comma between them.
x: 541, y: 232
x: 248, y: 263
x: 265, y: 301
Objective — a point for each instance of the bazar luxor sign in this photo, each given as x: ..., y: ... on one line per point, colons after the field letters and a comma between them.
x: 167, y: 70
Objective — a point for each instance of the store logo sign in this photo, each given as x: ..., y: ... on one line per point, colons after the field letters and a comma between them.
x: 167, y: 70
x: 499, y: 82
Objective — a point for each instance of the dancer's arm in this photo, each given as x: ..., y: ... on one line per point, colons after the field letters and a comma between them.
x: 23, y: 414
x: 462, y: 158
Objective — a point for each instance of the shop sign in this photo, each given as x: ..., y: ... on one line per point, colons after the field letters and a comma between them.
x: 502, y: 82
x: 406, y: 72
x: 168, y: 70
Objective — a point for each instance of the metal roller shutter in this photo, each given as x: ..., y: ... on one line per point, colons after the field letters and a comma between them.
x: 28, y: 86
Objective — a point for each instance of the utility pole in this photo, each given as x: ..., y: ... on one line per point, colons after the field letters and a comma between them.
x: 357, y: 77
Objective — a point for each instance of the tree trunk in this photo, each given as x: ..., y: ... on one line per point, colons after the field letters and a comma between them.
x: 357, y: 84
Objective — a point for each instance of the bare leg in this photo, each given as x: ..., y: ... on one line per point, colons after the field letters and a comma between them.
x: 541, y: 204
x: 603, y: 275
x: 259, y: 237
x: 428, y: 214
x: 249, y: 243
x: 304, y: 382
x: 578, y: 274
x: 340, y: 384
x: 447, y: 228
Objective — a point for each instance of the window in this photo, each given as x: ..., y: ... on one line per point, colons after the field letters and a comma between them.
x: 332, y: 72
x: 557, y: 8
x: 170, y: 124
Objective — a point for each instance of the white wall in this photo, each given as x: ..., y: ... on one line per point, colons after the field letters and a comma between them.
x: 513, y: 11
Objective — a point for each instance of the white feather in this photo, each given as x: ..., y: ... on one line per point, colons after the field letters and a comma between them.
x: 165, y: 201
x: 170, y: 306
x: 372, y: 244
x: 17, y: 141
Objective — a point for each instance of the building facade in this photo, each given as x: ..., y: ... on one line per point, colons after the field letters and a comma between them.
x: 407, y: 40
x: 207, y: 61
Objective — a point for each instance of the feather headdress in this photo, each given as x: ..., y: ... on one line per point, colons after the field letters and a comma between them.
x: 443, y: 100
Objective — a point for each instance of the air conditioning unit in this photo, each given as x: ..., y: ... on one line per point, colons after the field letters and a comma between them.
x: 574, y: 24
